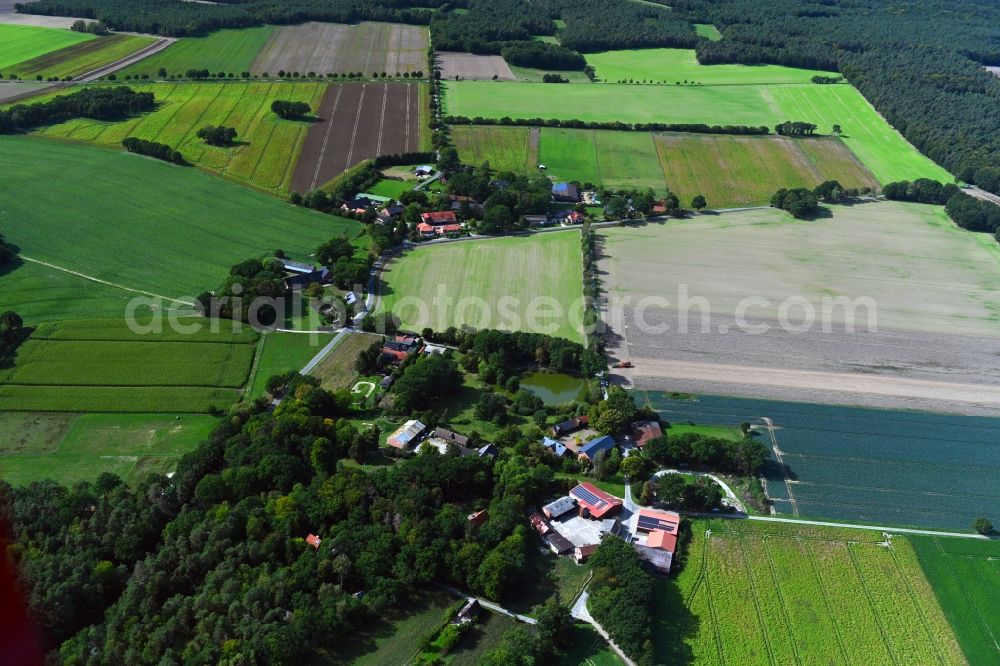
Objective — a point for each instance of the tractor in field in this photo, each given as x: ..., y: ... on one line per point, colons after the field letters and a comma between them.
x: 624, y: 364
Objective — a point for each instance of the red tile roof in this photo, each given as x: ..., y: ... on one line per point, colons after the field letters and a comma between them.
x: 313, y: 541
x: 538, y: 523
x: 662, y: 540
x: 645, y: 431
x: 595, y: 500
x: 439, y: 217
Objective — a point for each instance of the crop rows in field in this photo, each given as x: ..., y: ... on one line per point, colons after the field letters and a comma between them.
x: 267, y: 147
x: 965, y: 578
x: 770, y: 598
x: 229, y: 51
x: 82, y: 58
x: 19, y: 43
x: 875, y: 466
x: 505, y: 148
x: 116, y: 372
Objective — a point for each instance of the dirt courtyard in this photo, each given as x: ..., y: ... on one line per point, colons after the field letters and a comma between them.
x: 723, y: 303
x: 334, y: 48
x: 471, y: 67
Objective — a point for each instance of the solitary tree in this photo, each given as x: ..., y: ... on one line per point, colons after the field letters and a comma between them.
x: 10, y: 323
x: 698, y: 202
x: 983, y: 526
x: 837, y: 130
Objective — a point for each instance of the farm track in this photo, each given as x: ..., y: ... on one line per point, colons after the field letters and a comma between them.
x: 105, y: 282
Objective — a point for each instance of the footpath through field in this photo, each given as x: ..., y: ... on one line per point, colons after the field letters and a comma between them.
x: 853, y: 526
x: 105, y: 282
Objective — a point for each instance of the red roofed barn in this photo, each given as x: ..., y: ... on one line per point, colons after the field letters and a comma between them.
x: 594, y: 502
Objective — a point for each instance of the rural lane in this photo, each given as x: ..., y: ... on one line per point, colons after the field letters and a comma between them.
x: 880, y: 528
x: 156, y: 47
x: 486, y: 603
x: 580, y: 612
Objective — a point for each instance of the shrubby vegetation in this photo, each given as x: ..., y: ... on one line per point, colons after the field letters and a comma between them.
x: 745, y: 457
x: 97, y: 103
x: 542, y: 56
x: 290, y: 110
x: 92, y: 27
x: 248, y: 281
x: 621, y: 597
x: 217, y: 136
x: 699, y: 128
x: 153, y: 149
x: 967, y: 211
x: 800, y: 202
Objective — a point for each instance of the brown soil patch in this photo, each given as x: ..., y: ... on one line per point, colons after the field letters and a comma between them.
x: 473, y: 67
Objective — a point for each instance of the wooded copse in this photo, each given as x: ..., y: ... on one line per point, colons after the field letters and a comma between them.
x: 153, y: 149
x: 97, y: 103
x: 290, y: 110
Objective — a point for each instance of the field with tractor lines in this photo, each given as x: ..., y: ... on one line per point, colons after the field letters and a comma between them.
x: 226, y: 51
x: 455, y: 284
x: 19, y: 43
x: 505, y: 148
x: 266, y: 149
x: 766, y: 594
x: 81, y: 58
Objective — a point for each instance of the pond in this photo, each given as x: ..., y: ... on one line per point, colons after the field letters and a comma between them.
x: 555, y: 388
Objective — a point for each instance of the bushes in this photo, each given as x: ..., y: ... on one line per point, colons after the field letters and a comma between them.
x: 217, y: 136
x: 922, y: 190
x: 974, y: 214
x: 290, y: 110
x: 152, y: 149
x: 800, y: 202
x: 621, y: 596
x: 697, y: 128
x: 97, y: 103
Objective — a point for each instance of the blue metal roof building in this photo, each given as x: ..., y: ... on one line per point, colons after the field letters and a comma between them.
x: 595, y: 446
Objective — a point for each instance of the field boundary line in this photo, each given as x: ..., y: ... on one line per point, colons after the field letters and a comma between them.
x: 756, y: 600
x: 916, y: 603
x: 381, y: 120
x: 407, y: 141
x: 715, y: 620
x: 258, y: 352
x: 357, y: 119
x: 877, y: 528
x: 811, y: 556
x: 769, y: 424
x: 781, y: 598
x: 871, y: 604
x: 105, y: 282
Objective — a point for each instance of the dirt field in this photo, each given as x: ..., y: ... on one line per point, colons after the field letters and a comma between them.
x: 358, y: 121
x: 935, y: 344
x: 33, y: 19
x: 331, y: 48
x: 473, y: 67
x: 10, y: 91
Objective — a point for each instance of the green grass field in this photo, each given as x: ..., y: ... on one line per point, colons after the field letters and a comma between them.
x: 267, y: 147
x: 965, y: 576
x: 283, y: 352
x: 619, y: 160
x: 229, y: 51
x: 678, y: 65
x: 19, y: 43
x: 388, y: 187
x: 753, y: 593
x: 879, y: 147
x: 533, y: 75
x: 523, y: 284
x: 505, y: 148
x: 86, y: 208
x: 81, y: 58
x: 336, y: 371
x: 708, y: 31
x: 76, y: 447
x: 95, y: 366
x: 735, y: 171
x: 722, y: 432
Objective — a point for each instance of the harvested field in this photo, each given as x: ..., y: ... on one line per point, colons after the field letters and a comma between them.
x: 331, y: 48
x: 732, y: 278
x: 79, y: 59
x: 37, y: 20
x: 11, y: 91
x: 267, y: 147
x: 754, y: 593
x: 473, y: 67
x: 358, y: 121
x: 505, y: 148
x: 455, y: 284
x: 741, y: 171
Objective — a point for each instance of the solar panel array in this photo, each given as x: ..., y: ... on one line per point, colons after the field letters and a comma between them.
x: 590, y: 498
x: 649, y: 523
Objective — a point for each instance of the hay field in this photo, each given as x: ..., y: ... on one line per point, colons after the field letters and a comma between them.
x: 677, y: 65
x: 625, y: 160
x: 20, y: 42
x: 331, y: 48
x: 102, y: 366
x: 78, y: 447
x: 505, y: 148
x: 229, y: 51
x: 755, y: 593
x: 733, y: 171
x: 128, y: 220
x: 82, y: 58
x: 267, y: 147
x: 489, y: 283
x: 929, y: 285
x: 879, y: 147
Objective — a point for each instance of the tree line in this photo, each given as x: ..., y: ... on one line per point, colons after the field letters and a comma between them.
x: 96, y: 103
x: 153, y: 149
x: 698, y: 128
x: 965, y: 210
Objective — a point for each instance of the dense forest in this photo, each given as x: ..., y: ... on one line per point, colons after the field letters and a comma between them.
x: 919, y: 63
x: 211, y: 565
x: 97, y: 103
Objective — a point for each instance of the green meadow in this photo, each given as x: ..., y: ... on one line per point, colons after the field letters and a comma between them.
x: 708, y: 31
x: 281, y: 352
x: 22, y: 42
x: 681, y: 65
x: 879, y: 147
x: 229, y: 51
x: 489, y: 284
x: 136, y: 222
x: 82, y: 57
x: 267, y: 147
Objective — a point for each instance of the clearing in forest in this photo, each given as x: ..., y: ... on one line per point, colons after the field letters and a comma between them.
x: 520, y: 284
x: 753, y: 593
x: 672, y: 66
x: 879, y: 147
x: 333, y: 48
x: 267, y: 147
